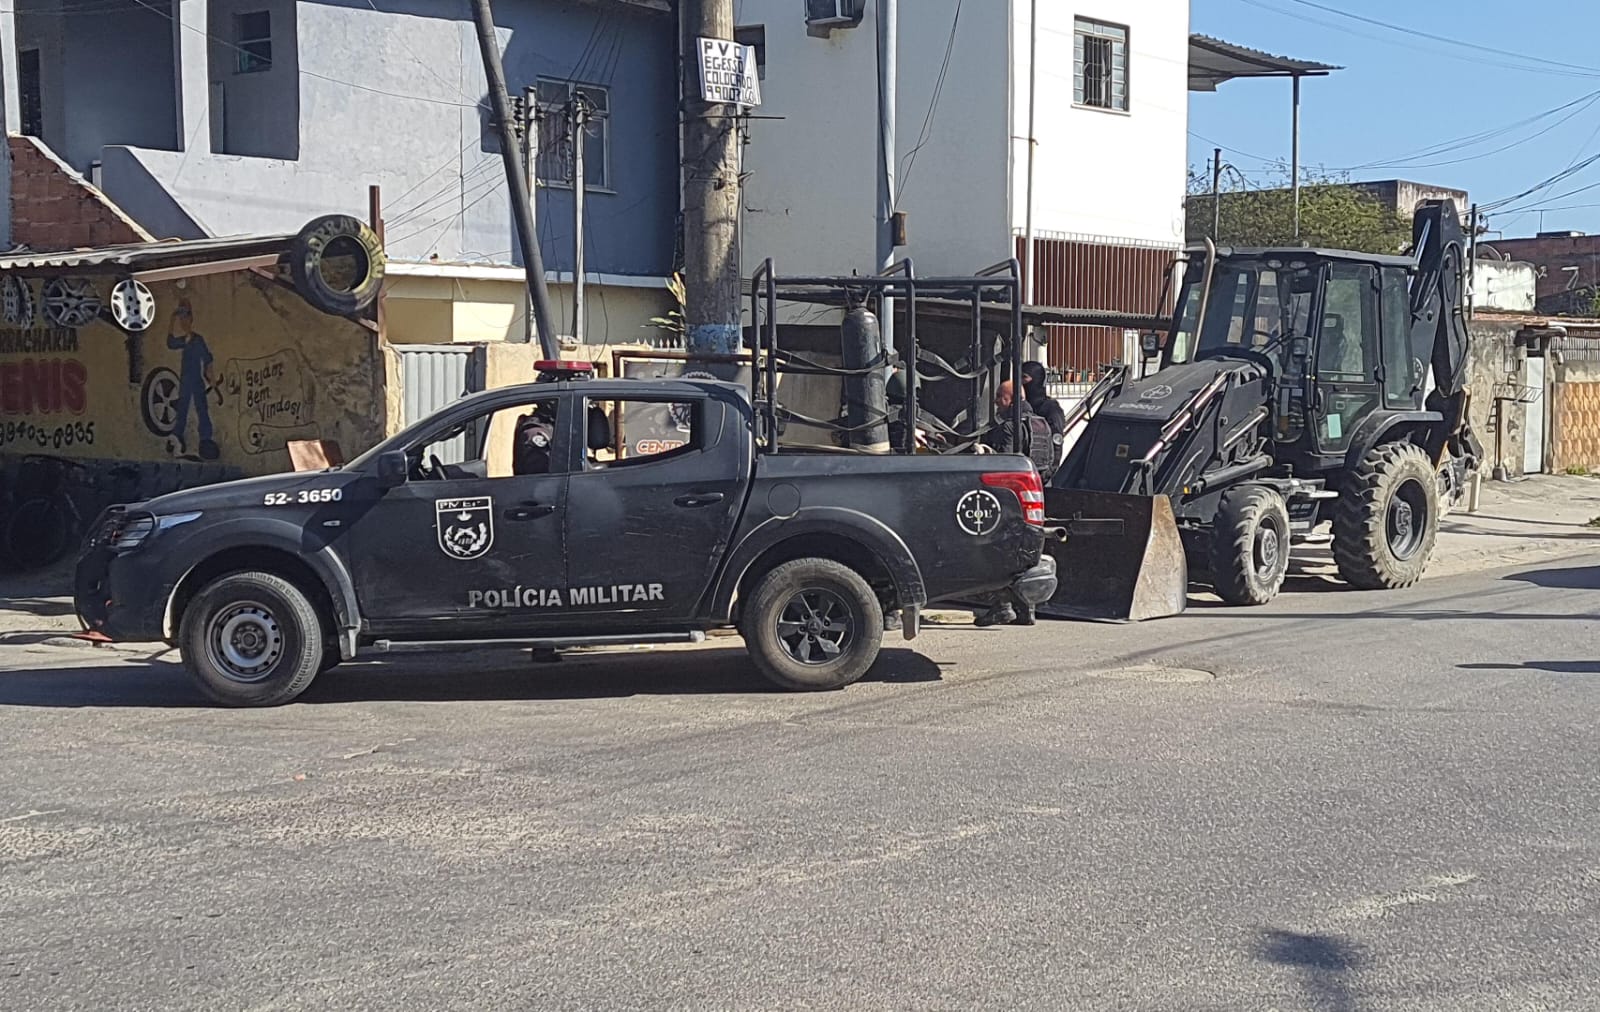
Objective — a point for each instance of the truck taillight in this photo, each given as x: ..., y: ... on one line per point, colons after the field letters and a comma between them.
x: 1029, y: 490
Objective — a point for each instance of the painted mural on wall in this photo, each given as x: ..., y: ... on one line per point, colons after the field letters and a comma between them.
x: 227, y: 369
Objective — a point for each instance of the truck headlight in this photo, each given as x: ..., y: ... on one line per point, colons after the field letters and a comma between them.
x: 123, y: 533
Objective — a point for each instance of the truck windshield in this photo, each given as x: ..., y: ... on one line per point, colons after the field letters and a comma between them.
x: 1254, y: 305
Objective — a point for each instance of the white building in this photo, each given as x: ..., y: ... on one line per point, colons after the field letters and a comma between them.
x: 1111, y: 92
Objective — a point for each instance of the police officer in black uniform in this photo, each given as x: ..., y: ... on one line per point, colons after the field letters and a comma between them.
x: 536, y: 431
x: 1037, y: 392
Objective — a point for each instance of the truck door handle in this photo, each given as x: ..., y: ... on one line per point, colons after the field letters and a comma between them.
x: 529, y: 511
x: 699, y: 499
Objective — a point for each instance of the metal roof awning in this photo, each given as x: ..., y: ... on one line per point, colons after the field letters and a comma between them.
x: 1213, y: 62
x: 154, y: 261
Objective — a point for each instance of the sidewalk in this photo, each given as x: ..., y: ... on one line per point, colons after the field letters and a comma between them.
x: 1539, y: 517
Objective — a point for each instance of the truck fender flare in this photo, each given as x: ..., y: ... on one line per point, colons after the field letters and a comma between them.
x: 849, y: 525
x: 1372, y: 430
x: 280, y: 536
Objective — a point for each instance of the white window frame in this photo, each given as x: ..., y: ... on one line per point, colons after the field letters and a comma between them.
x: 552, y: 128
x: 1115, y: 38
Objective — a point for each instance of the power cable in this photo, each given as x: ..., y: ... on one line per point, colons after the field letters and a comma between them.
x: 933, y: 105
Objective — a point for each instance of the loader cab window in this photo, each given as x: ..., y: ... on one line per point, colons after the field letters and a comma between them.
x: 1347, y: 353
x: 1254, y: 305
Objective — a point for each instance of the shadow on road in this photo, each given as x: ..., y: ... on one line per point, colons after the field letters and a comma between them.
x: 38, y: 605
x: 1322, y: 962
x: 497, y: 675
x: 1558, y: 667
x: 1570, y: 578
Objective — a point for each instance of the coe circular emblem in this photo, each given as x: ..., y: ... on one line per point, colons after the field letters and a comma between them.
x: 978, y: 513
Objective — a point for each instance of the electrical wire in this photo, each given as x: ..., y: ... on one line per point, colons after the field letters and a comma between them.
x: 933, y: 106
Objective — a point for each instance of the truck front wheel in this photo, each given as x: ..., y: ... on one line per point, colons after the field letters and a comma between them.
x: 1250, y: 550
x: 1387, y: 518
x: 251, y: 639
x: 812, y: 624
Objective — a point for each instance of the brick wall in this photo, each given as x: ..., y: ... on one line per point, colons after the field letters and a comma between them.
x: 54, y: 208
x: 1560, y: 290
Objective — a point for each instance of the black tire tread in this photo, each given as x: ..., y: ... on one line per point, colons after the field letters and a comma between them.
x: 1239, y: 514
x: 776, y: 586
x: 1360, y: 541
x: 301, y: 669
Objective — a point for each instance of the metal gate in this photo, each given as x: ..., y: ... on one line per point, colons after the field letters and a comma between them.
x: 433, y: 376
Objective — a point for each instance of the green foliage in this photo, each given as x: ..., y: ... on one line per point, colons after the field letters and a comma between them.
x: 1333, y: 215
x: 674, y: 321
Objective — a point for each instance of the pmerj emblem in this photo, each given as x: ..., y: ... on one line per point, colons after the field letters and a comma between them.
x: 466, y: 526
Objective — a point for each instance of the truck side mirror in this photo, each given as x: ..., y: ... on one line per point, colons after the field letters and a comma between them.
x: 1150, y: 344
x: 393, y: 468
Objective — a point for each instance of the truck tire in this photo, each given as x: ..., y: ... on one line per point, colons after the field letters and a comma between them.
x: 251, y: 639
x: 812, y: 624
x: 1250, y: 545
x: 1387, y: 518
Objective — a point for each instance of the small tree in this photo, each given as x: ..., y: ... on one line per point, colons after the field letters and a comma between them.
x: 1333, y: 214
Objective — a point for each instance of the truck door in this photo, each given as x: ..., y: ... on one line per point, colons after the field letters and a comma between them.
x: 470, y: 546
x: 651, y: 508
x: 1347, y: 355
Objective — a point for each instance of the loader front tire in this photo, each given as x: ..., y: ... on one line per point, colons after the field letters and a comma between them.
x: 1387, y: 518
x: 1250, y: 545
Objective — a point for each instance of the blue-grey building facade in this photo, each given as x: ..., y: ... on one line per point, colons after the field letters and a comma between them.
x: 224, y: 117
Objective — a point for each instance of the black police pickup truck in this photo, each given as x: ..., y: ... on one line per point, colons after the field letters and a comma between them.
x: 650, y: 516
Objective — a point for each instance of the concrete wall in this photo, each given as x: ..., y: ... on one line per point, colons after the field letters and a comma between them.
x: 1508, y: 287
x: 1496, y: 362
x: 1568, y: 266
x: 106, y: 78
x: 1099, y: 173
x: 393, y: 96
x: 257, y: 113
x: 279, y: 370
x: 438, y: 310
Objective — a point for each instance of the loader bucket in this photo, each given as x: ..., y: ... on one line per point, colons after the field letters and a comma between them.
x: 1122, y: 559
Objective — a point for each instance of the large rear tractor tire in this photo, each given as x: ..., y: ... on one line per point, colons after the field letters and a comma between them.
x: 812, y: 624
x: 1387, y: 518
x: 1250, y: 545
x: 252, y: 639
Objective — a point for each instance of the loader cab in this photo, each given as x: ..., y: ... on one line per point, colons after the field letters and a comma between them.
x: 1332, y: 327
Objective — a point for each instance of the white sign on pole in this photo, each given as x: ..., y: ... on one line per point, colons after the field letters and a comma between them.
x: 728, y: 73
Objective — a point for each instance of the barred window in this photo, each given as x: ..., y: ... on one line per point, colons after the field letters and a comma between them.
x: 1100, y: 64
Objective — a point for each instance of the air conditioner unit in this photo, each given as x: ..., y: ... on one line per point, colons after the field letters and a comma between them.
x: 835, y: 13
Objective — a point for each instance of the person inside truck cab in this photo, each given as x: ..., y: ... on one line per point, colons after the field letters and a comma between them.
x: 534, y: 434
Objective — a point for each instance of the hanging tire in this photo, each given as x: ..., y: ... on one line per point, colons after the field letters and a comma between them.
x: 1387, y: 518
x: 252, y: 639
x: 812, y: 624
x: 1250, y: 545
x: 337, y: 264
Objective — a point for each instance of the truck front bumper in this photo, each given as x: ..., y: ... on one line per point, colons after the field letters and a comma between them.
x: 121, y: 596
x: 1038, y: 584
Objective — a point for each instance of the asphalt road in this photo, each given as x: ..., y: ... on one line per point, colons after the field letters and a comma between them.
x: 1342, y: 801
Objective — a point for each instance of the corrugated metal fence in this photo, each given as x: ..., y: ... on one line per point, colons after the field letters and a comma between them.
x: 433, y: 376
x: 1085, y: 272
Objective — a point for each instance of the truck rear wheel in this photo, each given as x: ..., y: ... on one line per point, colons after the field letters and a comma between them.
x: 1387, y: 518
x: 812, y: 624
x: 1250, y: 545
x: 252, y: 639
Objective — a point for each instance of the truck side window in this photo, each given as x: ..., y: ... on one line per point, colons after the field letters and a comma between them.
x: 506, y: 442
x: 1347, y: 352
x: 641, y: 431
x: 1400, y: 376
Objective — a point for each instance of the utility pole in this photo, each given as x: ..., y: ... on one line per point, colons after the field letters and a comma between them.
x: 1216, y: 194
x: 1294, y: 158
x: 1030, y: 293
x: 710, y: 192
x: 578, y: 116
x: 531, y: 116
x: 516, y: 177
x: 888, y: 43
